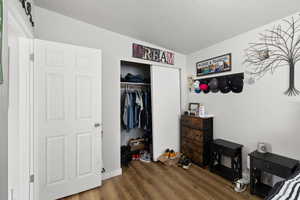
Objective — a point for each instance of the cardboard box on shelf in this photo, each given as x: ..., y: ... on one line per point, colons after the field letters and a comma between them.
x: 137, y: 144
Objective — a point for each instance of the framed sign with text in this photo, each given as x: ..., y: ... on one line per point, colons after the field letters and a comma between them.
x: 152, y: 54
x: 214, y: 65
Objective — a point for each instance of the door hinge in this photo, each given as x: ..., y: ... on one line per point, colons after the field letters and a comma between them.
x: 31, y: 178
x: 31, y: 57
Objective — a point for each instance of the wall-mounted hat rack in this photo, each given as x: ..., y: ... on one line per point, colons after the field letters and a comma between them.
x: 224, y: 84
x: 241, y: 75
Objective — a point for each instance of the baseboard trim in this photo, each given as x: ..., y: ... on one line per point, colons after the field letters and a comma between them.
x: 108, y: 175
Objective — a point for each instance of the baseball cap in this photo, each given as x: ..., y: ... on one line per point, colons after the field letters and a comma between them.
x: 236, y: 84
x: 224, y: 85
x: 214, y: 85
x: 204, y: 87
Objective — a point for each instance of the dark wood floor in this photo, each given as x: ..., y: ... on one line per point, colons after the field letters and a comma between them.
x: 155, y: 181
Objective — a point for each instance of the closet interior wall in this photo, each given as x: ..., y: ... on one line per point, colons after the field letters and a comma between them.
x: 134, y: 69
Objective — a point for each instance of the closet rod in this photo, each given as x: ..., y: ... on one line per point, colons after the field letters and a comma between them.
x: 131, y: 83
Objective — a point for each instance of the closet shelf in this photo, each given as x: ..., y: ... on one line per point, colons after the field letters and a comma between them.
x: 132, y: 83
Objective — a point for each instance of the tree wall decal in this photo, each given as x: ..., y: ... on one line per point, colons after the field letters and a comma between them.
x: 275, y: 48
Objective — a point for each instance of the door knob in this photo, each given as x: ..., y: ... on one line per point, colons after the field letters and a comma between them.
x: 96, y: 125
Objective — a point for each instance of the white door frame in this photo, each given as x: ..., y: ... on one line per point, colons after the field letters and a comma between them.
x: 17, y: 23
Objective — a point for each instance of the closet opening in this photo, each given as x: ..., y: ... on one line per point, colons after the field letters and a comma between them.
x: 136, y: 113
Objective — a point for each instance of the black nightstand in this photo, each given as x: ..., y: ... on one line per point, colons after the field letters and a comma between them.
x: 272, y: 164
x: 221, y: 148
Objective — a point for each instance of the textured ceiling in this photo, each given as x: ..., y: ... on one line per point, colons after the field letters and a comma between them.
x: 181, y: 25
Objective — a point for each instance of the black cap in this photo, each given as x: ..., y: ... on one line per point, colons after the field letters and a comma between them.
x: 224, y: 85
x: 236, y: 84
x: 214, y: 85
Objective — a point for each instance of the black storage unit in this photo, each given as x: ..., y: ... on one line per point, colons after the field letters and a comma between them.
x: 221, y: 148
x: 271, y: 163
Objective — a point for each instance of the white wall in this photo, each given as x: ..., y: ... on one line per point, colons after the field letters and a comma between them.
x: 115, y: 47
x: 262, y: 113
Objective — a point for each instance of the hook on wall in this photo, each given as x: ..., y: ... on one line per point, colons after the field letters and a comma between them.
x: 28, y: 9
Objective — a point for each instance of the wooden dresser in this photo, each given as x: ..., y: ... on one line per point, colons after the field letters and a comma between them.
x: 196, y: 137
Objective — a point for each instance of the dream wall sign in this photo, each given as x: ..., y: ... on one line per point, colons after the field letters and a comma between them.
x: 152, y: 54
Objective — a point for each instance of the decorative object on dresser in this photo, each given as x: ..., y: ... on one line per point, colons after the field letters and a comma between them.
x: 221, y: 148
x: 194, y: 108
x: 196, y: 137
x: 271, y: 163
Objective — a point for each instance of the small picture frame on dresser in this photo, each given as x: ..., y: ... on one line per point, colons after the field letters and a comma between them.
x: 194, y: 108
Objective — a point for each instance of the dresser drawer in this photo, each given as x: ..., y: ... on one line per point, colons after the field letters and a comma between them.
x: 187, y: 133
x: 192, y: 134
x: 192, y: 152
x: 271, y: 168
x: 186, y: 142
x: 197, y: 158
x: 196, y: 148
x: 198, y: 136
x: 187, y: 151
x: 193, y: 122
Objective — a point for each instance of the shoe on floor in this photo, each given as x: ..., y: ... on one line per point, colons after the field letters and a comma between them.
x: 167, y: 153
x: 186, y: 163
x: 172, y: 155
x: 145, y: 157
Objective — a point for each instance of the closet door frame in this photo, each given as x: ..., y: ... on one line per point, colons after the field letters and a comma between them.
x: 155, y: 157
x: 25, y: 68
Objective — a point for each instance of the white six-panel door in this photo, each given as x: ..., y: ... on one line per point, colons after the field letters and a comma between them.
x: 165, y: 89
x: 68, y: 119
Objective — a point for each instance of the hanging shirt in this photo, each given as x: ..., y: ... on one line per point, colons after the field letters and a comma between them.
x: 141, y: 105
x: 128, y: 112
x: 136, y: 110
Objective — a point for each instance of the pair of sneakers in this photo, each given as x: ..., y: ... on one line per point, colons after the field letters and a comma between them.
x: 136, y: 156
x: 170, y: 154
